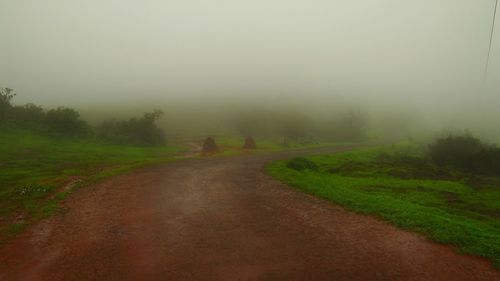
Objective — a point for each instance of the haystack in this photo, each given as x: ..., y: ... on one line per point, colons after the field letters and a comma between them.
x: 209, y: 145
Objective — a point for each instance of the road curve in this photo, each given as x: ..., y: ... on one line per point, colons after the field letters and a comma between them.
x: 221, y: 219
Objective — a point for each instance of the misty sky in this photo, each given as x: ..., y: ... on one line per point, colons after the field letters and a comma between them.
x: 377, y: 51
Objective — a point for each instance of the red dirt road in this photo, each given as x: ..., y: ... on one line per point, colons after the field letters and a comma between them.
x: 221, y: 219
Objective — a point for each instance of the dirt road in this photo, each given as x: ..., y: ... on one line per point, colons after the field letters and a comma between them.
x: 221, y: 219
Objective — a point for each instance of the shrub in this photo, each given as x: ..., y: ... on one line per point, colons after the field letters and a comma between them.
x: 454, y: 151
x: 137, y: 131
x: 28, y: 116
x: 301, y: 164
x: 466, y: 153
x: 65, y: 121
x: 60, y: 121
x: 486, y: 162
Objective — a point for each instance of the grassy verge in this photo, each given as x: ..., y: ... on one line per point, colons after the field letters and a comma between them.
x: 446, y: 206
x: 36, y: 172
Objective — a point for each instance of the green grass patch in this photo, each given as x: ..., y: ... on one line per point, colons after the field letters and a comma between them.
x: 446, y: 206
x: 35, y: 169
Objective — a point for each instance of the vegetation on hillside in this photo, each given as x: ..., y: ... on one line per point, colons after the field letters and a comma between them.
x: 405, y: 187
x: 67, y: 122
x: 44, y: 153
x: 138, y: 131
x: 37, y: 171
x: 466, y: 153
x: 293, y: 125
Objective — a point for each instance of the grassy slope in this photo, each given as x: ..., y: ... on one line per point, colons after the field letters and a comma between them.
x: 34, y: 169
x: 447, y: 211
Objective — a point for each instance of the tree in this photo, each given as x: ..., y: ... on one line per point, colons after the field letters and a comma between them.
x: 6, y: 95
x: 138, y: 131
x: 65, y: 121
x: 27, y: 116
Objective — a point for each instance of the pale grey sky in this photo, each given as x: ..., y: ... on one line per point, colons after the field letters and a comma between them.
x: 64, y: 52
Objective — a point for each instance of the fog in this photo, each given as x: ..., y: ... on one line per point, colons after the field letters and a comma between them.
x: 412, y: 66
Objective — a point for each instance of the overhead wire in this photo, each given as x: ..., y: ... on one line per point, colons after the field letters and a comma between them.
x: 487, y: 66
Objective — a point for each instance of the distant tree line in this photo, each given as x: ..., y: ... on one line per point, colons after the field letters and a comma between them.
x: 67, y: 122
x: 350, y: 126
x: 289, y: 125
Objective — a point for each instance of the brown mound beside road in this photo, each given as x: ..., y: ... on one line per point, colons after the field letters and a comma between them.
x: 221, y: 219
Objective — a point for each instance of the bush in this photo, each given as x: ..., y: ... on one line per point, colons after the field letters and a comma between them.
x: 65, y: 121
x: 60, y: 121
x: 486, y: 162
x: 454, y: 151
x: 28, y: 116
x: 209, y: 145
x: 137, y: 131
x: 466, y: 153
x: 301, y: 164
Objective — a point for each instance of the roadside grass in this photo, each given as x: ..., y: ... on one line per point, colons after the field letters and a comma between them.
x: 36, y: 172
x: 447, y: 206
